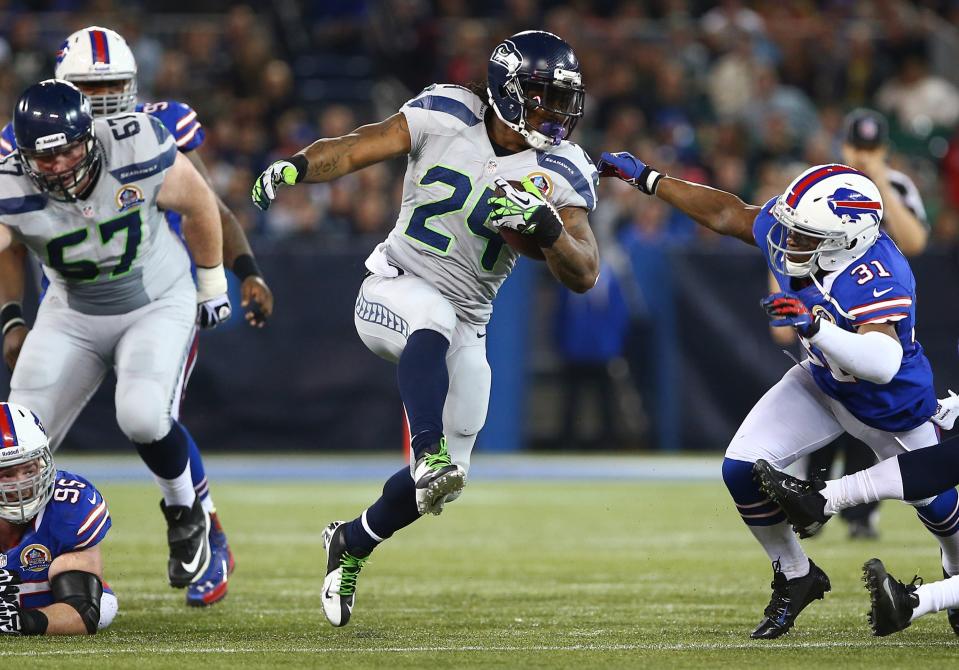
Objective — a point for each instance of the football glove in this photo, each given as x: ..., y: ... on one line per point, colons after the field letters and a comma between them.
x: 527, y: 212
x: 786, y: 309
x: 287, y: 171
x: 947, y: 411
x: 213, y: 303
x: 10, y: 622
x: 630, y: 169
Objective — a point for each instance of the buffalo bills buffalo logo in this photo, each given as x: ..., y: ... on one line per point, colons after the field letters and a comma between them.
x: 849, y: 205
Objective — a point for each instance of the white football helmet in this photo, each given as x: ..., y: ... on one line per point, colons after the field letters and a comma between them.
x: 98, y: 54
x: 835, y: 204
x: 23, y: 441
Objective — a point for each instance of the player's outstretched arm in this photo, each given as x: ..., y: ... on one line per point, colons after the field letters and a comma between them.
x: 330, y: 158
x: 185, y: 191
x: 12, y: 324
x: 76, y: 583
x: 717, y: 210
x: 256, y: 296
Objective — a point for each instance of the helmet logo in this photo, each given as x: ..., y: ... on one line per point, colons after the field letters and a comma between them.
x: 848, y: 205
x: 50, y: 141
x: 62, y: 51
x: 507, y: 55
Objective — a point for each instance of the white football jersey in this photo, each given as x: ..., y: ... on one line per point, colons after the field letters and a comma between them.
x: 111, y: 252
x: 441, y: 233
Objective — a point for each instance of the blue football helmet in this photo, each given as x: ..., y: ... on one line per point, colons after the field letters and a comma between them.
x: 54, y: 117
x: 536, y: 70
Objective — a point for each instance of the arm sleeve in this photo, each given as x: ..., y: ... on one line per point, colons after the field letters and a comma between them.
x: 873, y: 357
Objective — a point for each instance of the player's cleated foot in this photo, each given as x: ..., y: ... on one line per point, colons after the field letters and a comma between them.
x: 891, y: 601
x: 188, y: 534
x: 789, y: 598
x: 800, y: 500
x: 342, y: 570
x: 952, y: 614
x: 436, y: 479
x: 211, y: 587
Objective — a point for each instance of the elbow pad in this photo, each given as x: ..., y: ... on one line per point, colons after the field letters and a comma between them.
x: 81, y: 591
x: 873, y: 357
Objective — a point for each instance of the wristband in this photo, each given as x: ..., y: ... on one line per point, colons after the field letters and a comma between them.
x: 11, y: 316
x: 548, y: 226
x: 652, y: 180
x: 301, y: 164
x: 33, y: 622
x: 210, y: 282
x: 245, y: 266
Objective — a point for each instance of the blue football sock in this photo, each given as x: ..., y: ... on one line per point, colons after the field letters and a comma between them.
x: 754, y: 506
x: 394, y: 510
x: 930, y: 471
x: 197, y: 471
x: 424, y: 382
x: 167, y: 458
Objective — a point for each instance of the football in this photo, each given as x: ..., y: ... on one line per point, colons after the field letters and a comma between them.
x: 525, y: 245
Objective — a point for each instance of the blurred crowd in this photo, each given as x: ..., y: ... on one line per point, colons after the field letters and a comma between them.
x: 738, y: 94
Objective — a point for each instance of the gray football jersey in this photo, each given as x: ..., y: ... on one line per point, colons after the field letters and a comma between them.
x: 441, y: 233
x: 111, y: 252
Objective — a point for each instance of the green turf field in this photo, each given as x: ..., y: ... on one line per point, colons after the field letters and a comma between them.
x: 548, y: 575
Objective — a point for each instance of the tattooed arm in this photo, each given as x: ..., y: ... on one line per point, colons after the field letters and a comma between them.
x: 330, y: 158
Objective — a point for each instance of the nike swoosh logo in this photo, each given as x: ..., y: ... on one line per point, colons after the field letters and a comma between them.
x: 885, y: 586
x: 479, y: 335
x: 876, y: 293
x: 93, y: 500
x: 524, y: 202
x: 192, y: 566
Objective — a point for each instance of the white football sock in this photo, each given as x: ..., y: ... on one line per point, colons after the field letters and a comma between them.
x: 882, y: 481
x: 178, y: 491
x: 782, y: 545
x: 937, y: 596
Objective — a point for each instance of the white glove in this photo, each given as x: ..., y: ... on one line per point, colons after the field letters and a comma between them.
x: 281, y: 172
x: 213, y: 303
x: 947, y: 411
x: 9, y: 608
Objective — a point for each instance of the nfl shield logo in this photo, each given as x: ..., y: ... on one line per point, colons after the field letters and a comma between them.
x: 3, y: 560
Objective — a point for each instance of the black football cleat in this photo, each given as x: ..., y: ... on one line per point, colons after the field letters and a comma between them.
x: 891, y: 601
x: 342, y: 570
x: 800, y: 500
x: 188, y: 535
x: 789, y: 598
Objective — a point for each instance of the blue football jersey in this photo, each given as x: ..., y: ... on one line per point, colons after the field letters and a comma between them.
x: 878, y: 286
x: 76, y: 518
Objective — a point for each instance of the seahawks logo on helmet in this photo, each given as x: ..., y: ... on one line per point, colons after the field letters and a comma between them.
x: 507, y: 55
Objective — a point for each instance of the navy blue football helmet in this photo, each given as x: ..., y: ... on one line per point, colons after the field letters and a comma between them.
x: 54, y: 117
x: 536, y: 70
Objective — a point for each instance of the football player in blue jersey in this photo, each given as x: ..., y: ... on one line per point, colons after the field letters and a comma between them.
x: 850, y: 295
x: 100, y: 63
x: 51, y: 525
x: 429, y: 288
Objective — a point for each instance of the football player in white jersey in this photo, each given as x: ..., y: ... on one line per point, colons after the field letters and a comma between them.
x: 101, y: 64
x: 87, y: 197
x: 427, y: 296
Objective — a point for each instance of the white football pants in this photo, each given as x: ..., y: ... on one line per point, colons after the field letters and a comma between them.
x: 67, y: 354
x: 795, y: 418
x: 389, y: 309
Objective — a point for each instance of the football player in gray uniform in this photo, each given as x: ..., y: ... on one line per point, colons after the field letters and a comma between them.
x: 480, y: 160
x: 87, y: 197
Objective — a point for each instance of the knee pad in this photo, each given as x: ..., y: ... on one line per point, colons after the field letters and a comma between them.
x: 141, y: 413
x: 755, y: 508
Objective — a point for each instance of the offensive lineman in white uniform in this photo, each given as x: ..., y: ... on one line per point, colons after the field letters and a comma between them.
x: 87, y: 198
x: 427, y: 297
